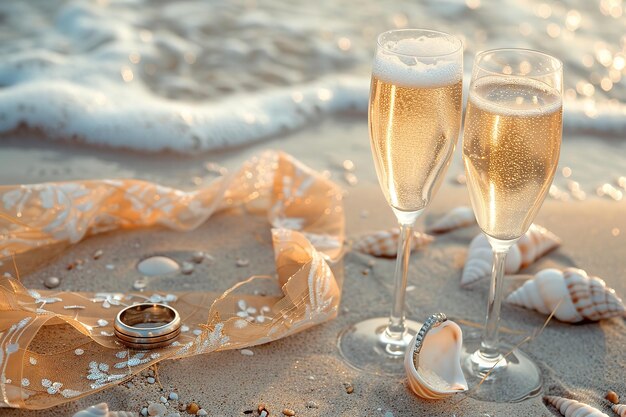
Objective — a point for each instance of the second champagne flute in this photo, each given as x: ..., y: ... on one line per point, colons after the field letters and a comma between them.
x: 414, y: 120
x: 511, y: 144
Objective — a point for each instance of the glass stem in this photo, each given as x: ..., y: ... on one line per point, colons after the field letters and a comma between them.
x: 396, y: 328
x: 489, y: 344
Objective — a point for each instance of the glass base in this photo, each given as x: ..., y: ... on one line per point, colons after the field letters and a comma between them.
x: 366, y: 347
x: 513, y: 379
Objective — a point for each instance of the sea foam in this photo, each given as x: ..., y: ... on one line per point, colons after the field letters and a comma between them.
x: 189, y: 78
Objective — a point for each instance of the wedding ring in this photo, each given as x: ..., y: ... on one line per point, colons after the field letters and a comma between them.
x: 433, y: 321
x: 147, y: 325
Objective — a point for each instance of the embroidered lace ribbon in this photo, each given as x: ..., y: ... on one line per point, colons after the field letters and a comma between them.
x: 305, y: 213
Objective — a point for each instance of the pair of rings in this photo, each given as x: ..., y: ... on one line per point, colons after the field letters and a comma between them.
x: 147, y: 326
x: 433, y: 321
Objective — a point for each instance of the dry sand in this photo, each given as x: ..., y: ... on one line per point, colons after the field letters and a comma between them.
x: 580, y: 360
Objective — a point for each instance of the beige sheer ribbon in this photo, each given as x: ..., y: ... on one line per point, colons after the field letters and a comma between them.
x: 306, y: 215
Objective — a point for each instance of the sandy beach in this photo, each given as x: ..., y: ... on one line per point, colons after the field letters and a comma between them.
x: 178, y: 93
x: 582, y: 360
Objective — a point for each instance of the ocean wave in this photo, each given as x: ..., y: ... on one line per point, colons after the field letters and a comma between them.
x: 186, y: 77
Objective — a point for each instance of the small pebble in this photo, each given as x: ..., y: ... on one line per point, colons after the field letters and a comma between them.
x: 311, y: 378
x: 246, y: 352
x: 52, y: 282
x: 243, y: 262
x: 187, y: 268
x: 202, y: 412
x: 192, y: 408
x: 156, y: 409
x: 163, y: 399
x: 174, y: 414
x: 197, y: 257
x: 144, y: 411
x: 289, y: 412
x: 98, y: 254
x: 351, y: 179
x: 312, y: 404
x: 140, y: 284
x: 110, y: 267
x: 151, y: 380
x: 348, y: 165
x: 365, y: 272
x: 263, y: 413
x: 612, y: 396
x: 349, y: 388
x: 173, y: 396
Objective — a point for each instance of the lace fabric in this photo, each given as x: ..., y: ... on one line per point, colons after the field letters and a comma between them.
x: 304, y: 211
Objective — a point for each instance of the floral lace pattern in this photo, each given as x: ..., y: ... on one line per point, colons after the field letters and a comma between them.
x: 305, y: 213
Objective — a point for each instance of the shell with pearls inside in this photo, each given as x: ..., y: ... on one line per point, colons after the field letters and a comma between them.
x: 578, y: 296
x: 535, y: 243
x: 573, y: 408
x: 102, y: 410
x: 456, y: 218
x: 384, y: 243
x: 620, y: 409
x: 439, y: 372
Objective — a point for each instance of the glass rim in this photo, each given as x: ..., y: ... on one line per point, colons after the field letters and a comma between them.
x: 459, y: 42
x: 477, y: 60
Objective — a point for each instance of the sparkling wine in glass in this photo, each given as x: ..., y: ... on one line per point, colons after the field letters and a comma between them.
x: 414, y: 119
x: 511, y: 144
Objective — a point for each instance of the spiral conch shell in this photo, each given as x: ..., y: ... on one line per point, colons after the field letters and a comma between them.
x: 581, y: 297
x: 573, y: 408
x: 384, y: 243
x: 439, y: 372
x: 456, y: 218
x: 102, y: 410
x: 620, y: 409
x: 535, y: 243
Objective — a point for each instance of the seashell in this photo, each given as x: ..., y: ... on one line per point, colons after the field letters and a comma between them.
x: 584, y: 297
x: 573, y: 408
x: 535, y: 243
x: 619, y: 409
x: 384, y: 243
x: 456, y: 218
x: 102, y: 410
x: 439, y: 372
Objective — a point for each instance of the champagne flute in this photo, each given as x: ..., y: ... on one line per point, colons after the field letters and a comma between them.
x: 511, y: 144
x: 414, y: 121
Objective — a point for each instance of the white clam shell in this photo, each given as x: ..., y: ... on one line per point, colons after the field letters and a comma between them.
x: 573, y: 408
x: 619, y: 409
x: 535, y: 243
x: 384, y: 243
x: 439, y: 374
x: 102, y: 410
x: 456, y: 218
x: 581, y: 297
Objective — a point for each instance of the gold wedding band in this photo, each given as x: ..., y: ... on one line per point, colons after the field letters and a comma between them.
x: 147, y: 325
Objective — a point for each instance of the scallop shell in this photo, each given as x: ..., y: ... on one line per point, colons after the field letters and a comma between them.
x: 439, y: 374
x: 619, y: 409
x: 384, y: 243
x: 573, y: 408
x: 456, y: 218
x: 535, y: 243
x: 102, y: 410
x: 584, y: 297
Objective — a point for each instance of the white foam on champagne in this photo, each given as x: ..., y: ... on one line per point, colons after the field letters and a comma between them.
x: 414, y: 63
x: 517, y: 96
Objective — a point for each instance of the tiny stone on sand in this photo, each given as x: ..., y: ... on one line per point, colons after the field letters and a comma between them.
x: 151, y: 380
x: 156, y: 409
x: 312, y: 404
x: 52, y: 282
x: 246, y: 352
x: 243, y: 262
